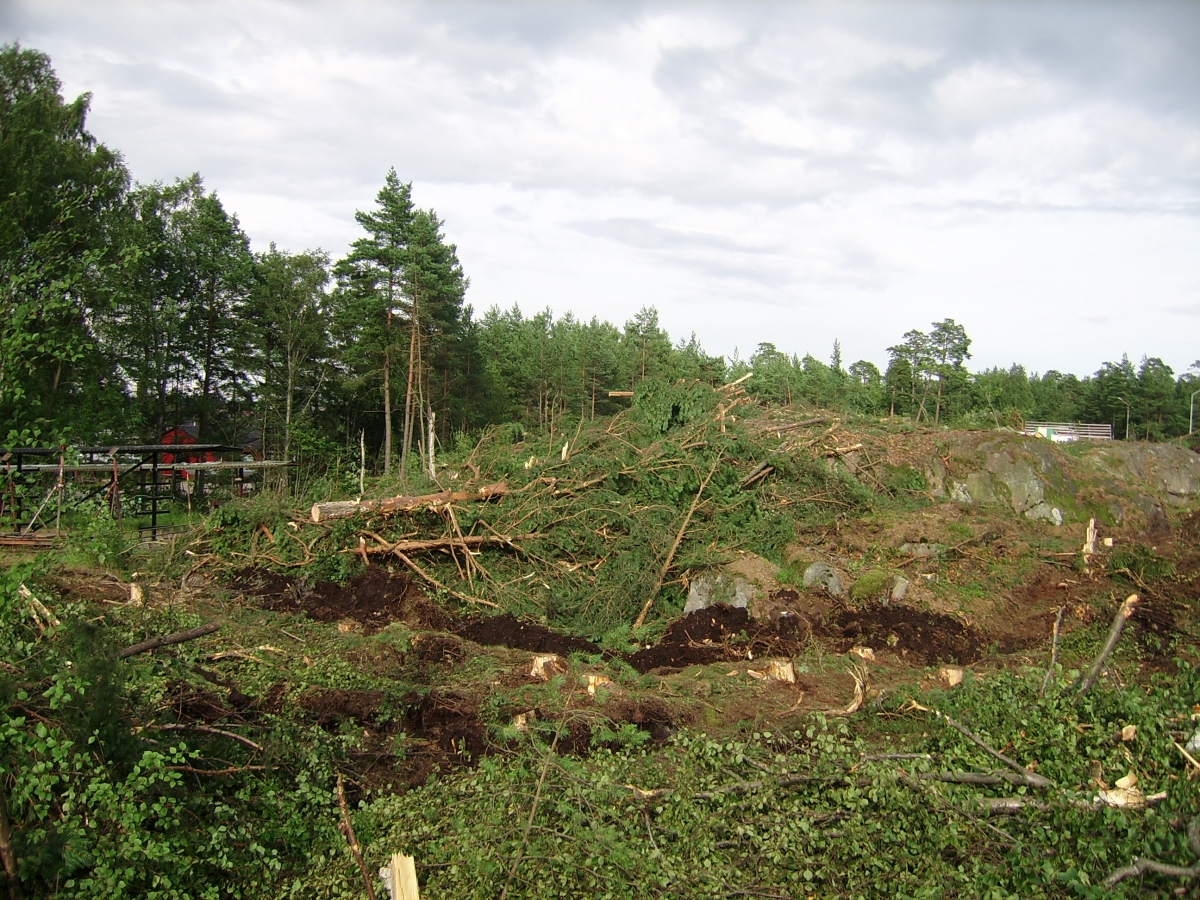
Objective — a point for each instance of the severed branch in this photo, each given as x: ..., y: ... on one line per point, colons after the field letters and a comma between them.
x: 1142, y: 865
x: 762, y: 470
x: 231, y: 770
x: 448, y: 543
x: 178, y: 638
x: 1028, y: 778
x: 341, y: 509
x: 1124, y: 612
x: 974, y: 777
x: 347, y: 829
x: 207, y: 729
x: 1053, y: 651
x: 666, y: 566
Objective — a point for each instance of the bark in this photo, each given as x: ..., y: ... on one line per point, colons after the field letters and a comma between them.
x: 178, y: 638
x: 341, y: 509
x: 413, y: 331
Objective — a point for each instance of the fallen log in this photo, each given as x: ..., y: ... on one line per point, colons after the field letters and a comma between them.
x: 342, y: 509
x: 177, y: 638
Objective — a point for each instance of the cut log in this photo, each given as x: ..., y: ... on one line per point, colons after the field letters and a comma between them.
x: 342, y: 509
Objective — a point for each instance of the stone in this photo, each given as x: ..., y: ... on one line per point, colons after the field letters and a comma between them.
x: 1044, y: 512
x: 1025, y: 489
x: 899, y: 589
x: 923, y: 550
x: 821, y: 575
x: 709, y: 588
x: 935, y: 477
x: 981, y: 488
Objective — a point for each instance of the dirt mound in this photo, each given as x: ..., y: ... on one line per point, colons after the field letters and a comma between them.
x: 329, y: 708
x: 506, y: 630
x: 650, y: 714
x: 929, y: 637
x: 373, y: 598
x: 702, y: 637
x: 450, y: 722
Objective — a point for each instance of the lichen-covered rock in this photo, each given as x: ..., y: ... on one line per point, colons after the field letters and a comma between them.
x: 1025, y: 488
x: 821, y: 575
x: 1164, y: 467
x: 1044, y: 512
x: 710, y: 588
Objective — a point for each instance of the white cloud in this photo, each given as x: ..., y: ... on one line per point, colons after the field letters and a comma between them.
x: 792, y: 172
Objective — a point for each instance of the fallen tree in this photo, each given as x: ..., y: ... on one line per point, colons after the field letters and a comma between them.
x: 342, y: 509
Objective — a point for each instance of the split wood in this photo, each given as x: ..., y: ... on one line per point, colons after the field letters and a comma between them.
x: 1124, y: 612
x: 178, y: 637
x: 666, y: 566
x: 341, y: 509
x: 348, y: 831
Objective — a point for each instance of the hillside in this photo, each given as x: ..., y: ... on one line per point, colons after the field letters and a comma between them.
x: 510, y: 691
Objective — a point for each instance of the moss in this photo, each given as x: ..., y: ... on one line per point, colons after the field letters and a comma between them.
x: 872, y: 584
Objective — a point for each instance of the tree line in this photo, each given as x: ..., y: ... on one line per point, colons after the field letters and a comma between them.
x: 127, y: 308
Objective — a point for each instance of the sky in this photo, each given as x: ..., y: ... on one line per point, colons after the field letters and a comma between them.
x: 785, y: 172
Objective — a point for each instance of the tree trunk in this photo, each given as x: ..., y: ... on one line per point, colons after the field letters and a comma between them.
x: 387, y: 409
x: 408, y: 393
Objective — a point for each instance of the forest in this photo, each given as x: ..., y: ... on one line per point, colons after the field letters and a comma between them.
x: 129, y: 308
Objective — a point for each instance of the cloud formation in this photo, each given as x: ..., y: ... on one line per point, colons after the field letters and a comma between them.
x: 792, y: 172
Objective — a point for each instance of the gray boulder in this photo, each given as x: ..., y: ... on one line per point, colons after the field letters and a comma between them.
x: 732, y: 590
x: 821, y: 575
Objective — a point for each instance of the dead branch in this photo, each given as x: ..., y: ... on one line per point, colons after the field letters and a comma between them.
x: 666, y: 566
x: 1053, y: 651
x: 1142, y: 865
x: 232, y: 770
x: 447, y: 543
x: 207, y: 729
x: 340, y: 509
x: 762, y: 470
x: 973, y: 777
x: 178, y: 637
x: 1029, y: 779
x: 437, y: 584
x: 792, y: 426
x: 348, y: 830
x: 1124, y: 612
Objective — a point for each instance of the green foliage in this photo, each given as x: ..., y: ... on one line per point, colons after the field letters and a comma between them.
x: 1142, y: 562
x: 100, y: 809
x: 101, y: 541
x: 663, y: 407
x: 706, y: 816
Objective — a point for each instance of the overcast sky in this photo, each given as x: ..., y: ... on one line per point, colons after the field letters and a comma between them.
x: 786, y: 172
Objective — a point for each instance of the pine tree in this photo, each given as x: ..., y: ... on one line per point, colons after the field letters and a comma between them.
x: 370, y: 314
